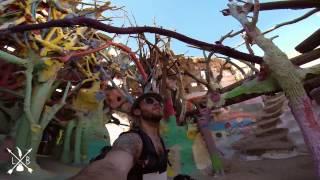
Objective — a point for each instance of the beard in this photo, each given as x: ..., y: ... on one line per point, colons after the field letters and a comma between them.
x: 151, y: 117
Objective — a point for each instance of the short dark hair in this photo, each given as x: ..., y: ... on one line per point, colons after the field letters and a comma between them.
x: 137, y: 102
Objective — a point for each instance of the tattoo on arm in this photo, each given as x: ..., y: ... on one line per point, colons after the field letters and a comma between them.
x: 131, y: 143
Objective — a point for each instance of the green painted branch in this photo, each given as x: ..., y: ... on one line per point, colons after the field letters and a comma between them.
x: 40, y: 95
x: 22, y: 132
x: 309, y: 84
x: 53, y: 111
x: 298, y: 60
x: 253, y: 87
x: 36, y: 136
x: 77, y: 144
x: 85, y: 142
x: 66, y: 152
x: 12, y: 59
x: 28, y: 93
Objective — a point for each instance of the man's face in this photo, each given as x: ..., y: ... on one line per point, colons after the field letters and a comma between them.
x: 151, y: 109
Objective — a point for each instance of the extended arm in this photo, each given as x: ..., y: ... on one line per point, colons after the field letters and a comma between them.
x: 117, y: 163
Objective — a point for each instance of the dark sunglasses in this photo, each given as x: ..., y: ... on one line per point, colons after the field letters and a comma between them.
x: 150, y: 101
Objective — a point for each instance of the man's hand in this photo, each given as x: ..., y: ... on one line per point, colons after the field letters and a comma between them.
x: 116, y: 165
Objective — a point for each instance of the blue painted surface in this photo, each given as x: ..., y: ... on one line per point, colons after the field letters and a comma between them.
x: 220, y: 126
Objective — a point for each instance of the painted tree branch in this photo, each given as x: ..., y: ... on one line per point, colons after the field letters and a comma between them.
x: 28, y: 93
x: 289, y: 80
x: 12, y: 59
x: 53, y: 110
x: 309, y: 84
x: 83, y: 21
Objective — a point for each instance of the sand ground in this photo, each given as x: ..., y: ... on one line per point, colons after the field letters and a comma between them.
x: 297, y: 168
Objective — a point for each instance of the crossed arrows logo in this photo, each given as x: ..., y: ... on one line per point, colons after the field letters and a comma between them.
x: 20, y: 165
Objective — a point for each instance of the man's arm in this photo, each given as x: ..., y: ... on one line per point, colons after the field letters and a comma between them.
x: 117, y: 163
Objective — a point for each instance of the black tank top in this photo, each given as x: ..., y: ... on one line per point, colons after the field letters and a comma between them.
x: 149, y: 161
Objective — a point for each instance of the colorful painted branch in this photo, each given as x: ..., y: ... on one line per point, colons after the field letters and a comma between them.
x: 109, y: 43
x: 12, y: 59
x: 203, y: 125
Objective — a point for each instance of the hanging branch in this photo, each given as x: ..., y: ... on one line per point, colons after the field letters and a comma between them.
x: 83, y: 21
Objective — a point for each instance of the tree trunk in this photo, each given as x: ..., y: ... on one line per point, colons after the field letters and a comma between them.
x: 307, y: 120
x: 36, y: 137
x: 22, y: 134
x: 289, y: 80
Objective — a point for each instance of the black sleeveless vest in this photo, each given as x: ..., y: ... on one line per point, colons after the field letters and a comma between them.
x: 149, y: 161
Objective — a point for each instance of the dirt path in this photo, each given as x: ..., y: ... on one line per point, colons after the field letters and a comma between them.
x: 297, y: 168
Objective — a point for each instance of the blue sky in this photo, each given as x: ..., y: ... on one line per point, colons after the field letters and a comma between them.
x: 203, y: 20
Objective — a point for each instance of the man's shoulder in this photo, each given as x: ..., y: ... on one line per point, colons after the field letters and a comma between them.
x: 129, y: 142
x: 130, y: 137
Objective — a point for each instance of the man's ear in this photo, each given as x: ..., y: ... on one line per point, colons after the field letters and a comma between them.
x: 137, y: 112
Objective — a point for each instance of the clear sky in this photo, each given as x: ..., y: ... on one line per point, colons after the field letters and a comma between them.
x: 203, y: 20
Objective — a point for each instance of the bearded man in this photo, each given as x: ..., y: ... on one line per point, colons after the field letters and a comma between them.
x: 138, y: 154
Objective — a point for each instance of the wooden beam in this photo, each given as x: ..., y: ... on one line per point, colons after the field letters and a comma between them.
x: 306, y: 57
x: 310, y: 43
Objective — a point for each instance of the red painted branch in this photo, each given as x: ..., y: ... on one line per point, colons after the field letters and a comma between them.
x: 135, y: 59
x: 83, y: 53
x: 120, y: 46
x: 83, y: 21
